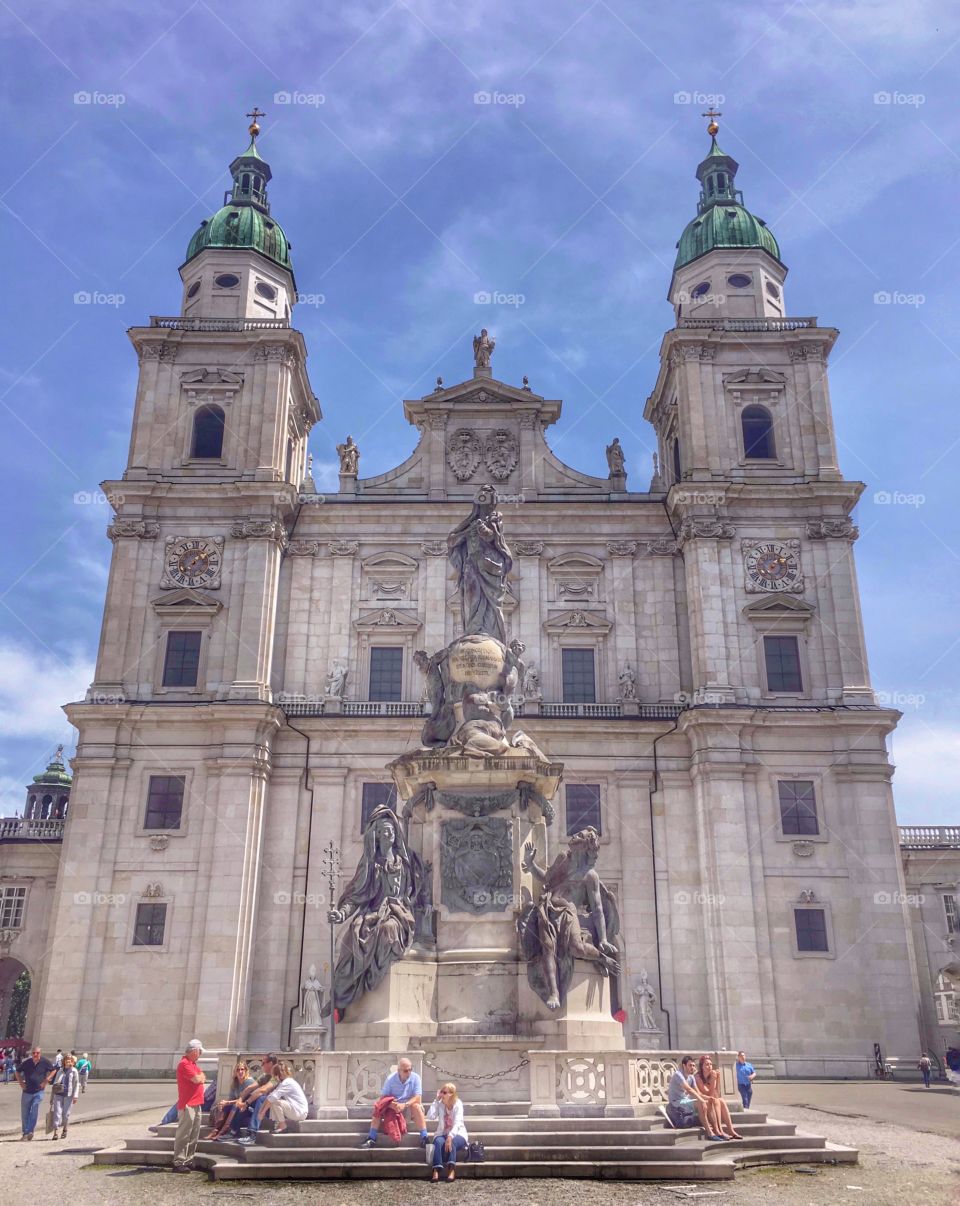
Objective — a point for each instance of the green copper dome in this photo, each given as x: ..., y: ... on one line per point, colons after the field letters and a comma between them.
x: 244, y: 221
x: 56, y: 774
x: 722, y: 220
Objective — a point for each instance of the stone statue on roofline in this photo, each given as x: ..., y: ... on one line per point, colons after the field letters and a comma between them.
x: 483, y: 347
x: 349, y: 455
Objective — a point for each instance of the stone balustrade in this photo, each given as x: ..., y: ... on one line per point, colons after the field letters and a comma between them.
x: 930, y: 837
x: 19, y: 829
x: 341, y: 1084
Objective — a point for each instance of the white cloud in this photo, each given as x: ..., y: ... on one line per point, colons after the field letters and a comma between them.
x: 927, y: 758
x: 33, y: 686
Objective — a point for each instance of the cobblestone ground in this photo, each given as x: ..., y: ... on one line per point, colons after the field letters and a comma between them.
x: 898, y: 1166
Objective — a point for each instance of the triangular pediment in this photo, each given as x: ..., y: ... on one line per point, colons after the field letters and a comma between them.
x: 387, y: 619
x: 754, y: 377
x: 185, y: 601
x: 577, y: 620
x: 783, y: 613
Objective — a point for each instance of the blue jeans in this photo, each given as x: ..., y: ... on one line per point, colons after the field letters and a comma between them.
x: 926, y: 1076
x: 30, y: 1111
x: 746, y: 1095
x: 248, y: 1117
x: 170, y: 1116
x: 439, y: 1155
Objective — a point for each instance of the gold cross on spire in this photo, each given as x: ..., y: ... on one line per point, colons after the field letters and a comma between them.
x: 712, y: 128
x: 255, y: 125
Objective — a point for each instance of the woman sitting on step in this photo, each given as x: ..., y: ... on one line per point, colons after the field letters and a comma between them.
x: 287, y: 1102
x: 451, y: 1135
x: 708, y: 1082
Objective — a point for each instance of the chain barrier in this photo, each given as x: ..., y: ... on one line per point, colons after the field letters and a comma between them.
x: 478, y: 1076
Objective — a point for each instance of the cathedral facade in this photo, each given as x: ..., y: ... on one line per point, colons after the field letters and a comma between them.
x: 694, y: 656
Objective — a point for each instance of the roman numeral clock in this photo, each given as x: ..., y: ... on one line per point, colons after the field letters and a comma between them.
x: 193, y: 561
x: 772, y: 565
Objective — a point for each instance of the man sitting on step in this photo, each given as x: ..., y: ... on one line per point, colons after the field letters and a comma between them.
x: 400, y: 1094
x: 686, y: 1105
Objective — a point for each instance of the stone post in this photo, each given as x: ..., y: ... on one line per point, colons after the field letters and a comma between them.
x: 543, y: 1085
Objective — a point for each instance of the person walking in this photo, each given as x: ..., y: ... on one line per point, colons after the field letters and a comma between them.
x: 189, y: 1107
x: 84, y: 1068
x: 745, y: 1075
x: 65, y: 1090
x: 33, y: 1075
x: 925, y: 1066
x: 451, y: 1136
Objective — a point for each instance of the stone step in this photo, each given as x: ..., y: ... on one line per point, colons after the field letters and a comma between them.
x: 827, y: 1153
x: 620, y: 1170
x: 507, y: 1153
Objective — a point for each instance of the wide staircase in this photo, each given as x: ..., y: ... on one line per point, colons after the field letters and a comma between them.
x: 622, y: 1149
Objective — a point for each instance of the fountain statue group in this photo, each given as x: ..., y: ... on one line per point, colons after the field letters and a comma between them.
x: 471, y: 686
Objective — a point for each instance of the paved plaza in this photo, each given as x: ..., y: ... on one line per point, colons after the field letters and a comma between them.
x: 909, y: 1140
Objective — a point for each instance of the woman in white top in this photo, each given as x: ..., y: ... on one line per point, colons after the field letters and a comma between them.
x: 451, y: 1135
x: 287, y: 1102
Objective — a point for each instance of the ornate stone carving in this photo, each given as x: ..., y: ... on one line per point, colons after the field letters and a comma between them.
x: 808, y: 897
x: 581, y: 1081
x: 464, y: 451
x: 501, y: 453
x: 303, y: 548
x: 152, y: 892
x: 616, y: 465
x: 715, y: 529
x: 159, y: 351
x: 476, y: 865
x: 136, y: 529
x: 433, y: 548
x: 644, y: 1002
x: 311, y: 999
x: 217, y: 384
x: 653, y: 1079
x: 336, y: 682
x: 576, y: 590
x: 621, y: 548
x: 803, y: 849
x: 531, y: 684
x: 528, y: 548
x: 832, y: 529
x: 475, y: 804
x: 159, y: 841
x: 343, y: 548
x: 628, y: 683
x: 479, y: 554
x: 260, y: 529
x: 483, y: 347
x: 437, y: 420
x: 389, y: 590
x: 579, y: 620
x: 277, y: 353
x: 388, y: 617
x: 349, y: 455
x: 663, y: 546
x: 528, y: 418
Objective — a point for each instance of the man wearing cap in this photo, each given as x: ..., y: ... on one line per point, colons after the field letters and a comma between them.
x: 189, y: 1107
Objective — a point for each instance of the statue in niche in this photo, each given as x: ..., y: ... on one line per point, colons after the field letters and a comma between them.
x: 336, y: 680
x: 628, y: 682
x: 479, y: 554
x: 531, y: 684
x: 644, y: 1002
x: 483, y: 347
x: 575, y: 918
x: 380, y: 907
x: 311, y: 999
x: 349, y: 455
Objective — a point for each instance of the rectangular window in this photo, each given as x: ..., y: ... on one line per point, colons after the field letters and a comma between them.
x: 386, y: 673
x: 953, y: 917
x: 150, y: 925
x: 811, y: 929
x: 798, y: 807
x: 375, y: 794
x: 182, y: 662
x: 164, y: 802
x: 583, y: 807
x: 579, y: 679
x: 782, y: 657
x: 11, y: 907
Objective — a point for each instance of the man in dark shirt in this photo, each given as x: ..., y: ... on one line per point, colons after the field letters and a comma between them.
x: 33, y: 1076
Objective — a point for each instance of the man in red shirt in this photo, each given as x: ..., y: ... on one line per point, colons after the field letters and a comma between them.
x: 190, y: 1082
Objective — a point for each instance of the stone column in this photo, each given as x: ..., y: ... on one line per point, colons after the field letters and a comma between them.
x: 255, y: 625
x: 707, y: 591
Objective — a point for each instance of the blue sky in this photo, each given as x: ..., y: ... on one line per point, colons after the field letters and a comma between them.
x: 403, y: 197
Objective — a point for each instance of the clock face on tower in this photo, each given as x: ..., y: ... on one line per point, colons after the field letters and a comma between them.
x: 773, y: 565
x: 193, y: 561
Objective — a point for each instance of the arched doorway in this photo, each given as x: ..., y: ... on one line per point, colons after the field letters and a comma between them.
x: 15, y: 984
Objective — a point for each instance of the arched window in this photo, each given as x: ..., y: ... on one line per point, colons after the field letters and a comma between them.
x: 45, y: 808
x: 208, y: 433
x: 676, y: 460
x: 758, y: 443
x: 31, y: 808
x: 289, y: 468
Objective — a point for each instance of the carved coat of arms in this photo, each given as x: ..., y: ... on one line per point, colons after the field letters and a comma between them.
x: 463, y: 453
x: 476, y: 865
x: 501, y: 454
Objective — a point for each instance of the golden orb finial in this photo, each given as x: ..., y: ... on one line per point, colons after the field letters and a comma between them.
x: 255, y: 125
x: 712, y: 128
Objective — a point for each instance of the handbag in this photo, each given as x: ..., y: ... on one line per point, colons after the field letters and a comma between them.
x: 58, y: 1084
x: 475, y: 1151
